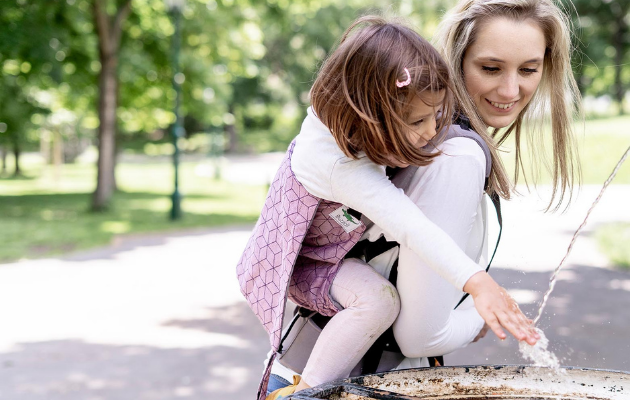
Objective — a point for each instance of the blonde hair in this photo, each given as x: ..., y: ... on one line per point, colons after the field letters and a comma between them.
x: 357, y: 97
x: 557, y: 92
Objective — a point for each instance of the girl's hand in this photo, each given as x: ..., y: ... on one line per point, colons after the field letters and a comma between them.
x: 499, y: 309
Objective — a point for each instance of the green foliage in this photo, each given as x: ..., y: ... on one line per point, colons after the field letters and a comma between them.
x: 248, y: 65
x: 603, y: 44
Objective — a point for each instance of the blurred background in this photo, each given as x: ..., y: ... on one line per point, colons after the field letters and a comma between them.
x: 137, y: 142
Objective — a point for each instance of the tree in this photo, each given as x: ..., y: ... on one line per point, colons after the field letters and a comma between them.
x: 109, y: 31
x: 604, y: 40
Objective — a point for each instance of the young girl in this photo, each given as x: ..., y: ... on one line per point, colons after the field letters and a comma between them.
x: 382, y: 93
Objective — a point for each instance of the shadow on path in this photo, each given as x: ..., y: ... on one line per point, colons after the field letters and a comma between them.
x: 74, y: 369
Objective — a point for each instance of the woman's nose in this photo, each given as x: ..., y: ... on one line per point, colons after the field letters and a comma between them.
x: 508, y: 87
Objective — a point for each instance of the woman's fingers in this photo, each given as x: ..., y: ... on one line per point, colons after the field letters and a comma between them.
x: 500, y: 315
x: 519, y: 326
x: 499, y: 309
x: 496, y: 328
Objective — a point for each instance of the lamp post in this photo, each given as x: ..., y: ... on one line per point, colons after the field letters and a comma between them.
x: 175, y: 10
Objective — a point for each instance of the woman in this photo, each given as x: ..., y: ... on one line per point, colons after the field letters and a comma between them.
x: 507, y: 56
x: 511, y: 64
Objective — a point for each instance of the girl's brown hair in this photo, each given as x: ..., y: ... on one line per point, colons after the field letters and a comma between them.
x: 356, y: 96
x: 556, y: 100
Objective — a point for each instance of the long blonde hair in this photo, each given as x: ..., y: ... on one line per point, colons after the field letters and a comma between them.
x: 557, y: 95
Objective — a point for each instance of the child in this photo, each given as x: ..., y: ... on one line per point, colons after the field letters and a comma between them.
x: 382, y: 94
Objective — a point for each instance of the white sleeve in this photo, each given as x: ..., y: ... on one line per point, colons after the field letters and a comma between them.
x: 323, y: 170
x: 449, y: 193
x: 363, y: 186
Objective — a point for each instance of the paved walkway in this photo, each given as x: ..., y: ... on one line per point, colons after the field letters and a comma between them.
x: 161, y: 317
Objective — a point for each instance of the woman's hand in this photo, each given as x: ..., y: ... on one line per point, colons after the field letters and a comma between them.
x: 499, y: 309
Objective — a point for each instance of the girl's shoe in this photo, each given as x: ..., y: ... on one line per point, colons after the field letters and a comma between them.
x: 281, y: 393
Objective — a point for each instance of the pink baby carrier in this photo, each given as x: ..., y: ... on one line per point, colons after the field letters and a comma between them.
x: 295, y: 250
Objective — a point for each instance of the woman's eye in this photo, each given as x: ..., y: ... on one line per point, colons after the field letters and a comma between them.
x: 418, y: 122
x: 490, y: 69
x: 529, y: 70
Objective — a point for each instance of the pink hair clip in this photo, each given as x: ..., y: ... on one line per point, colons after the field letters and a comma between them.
x: 406, y: 82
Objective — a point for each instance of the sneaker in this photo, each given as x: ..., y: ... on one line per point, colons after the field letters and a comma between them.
x: 281, y: 393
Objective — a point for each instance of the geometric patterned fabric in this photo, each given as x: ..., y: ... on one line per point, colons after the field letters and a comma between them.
x: 293, y: 243
x: 321, y: 256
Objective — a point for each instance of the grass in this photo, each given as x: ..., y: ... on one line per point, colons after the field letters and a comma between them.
x: 613, y: 240
x: 46, y: 212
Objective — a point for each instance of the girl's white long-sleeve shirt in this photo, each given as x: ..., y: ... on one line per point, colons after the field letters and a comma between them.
x: 326, y: 172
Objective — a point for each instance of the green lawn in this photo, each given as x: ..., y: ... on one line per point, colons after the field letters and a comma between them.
x: 46, y: 211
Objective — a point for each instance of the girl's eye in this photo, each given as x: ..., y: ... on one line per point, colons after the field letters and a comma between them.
x: 490, y: 70
x: 529, y: 70
x: 418, y: 122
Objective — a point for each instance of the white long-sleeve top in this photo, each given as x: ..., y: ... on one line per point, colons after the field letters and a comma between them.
x: 326, y: 172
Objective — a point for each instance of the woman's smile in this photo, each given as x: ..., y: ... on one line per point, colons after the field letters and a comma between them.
x: 505, y: 107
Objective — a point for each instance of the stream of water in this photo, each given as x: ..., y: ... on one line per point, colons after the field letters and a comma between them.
x: 552, y: 281
x: 539, y: 354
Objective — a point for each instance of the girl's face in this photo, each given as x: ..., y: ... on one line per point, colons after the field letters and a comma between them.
x: 422, y: 117
x: 422, y: 121
x: 503, y: 68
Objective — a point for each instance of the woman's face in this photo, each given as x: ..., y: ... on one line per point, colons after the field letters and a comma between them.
x: 503, y: 68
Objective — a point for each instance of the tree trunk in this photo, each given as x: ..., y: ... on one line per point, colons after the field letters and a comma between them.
x: 16, y: 154
x: 3, y: 156
x: 3, y: 160
x: 106, y: 134
x: 109, y: 32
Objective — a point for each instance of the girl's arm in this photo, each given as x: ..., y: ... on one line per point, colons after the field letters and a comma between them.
x: 322, y: 168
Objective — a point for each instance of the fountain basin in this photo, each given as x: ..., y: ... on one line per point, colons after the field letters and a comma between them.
x: 478, y: 382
